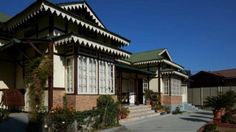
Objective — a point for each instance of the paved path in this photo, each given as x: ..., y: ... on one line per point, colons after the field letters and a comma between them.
x: 17, y: 122
x: 187, y: 122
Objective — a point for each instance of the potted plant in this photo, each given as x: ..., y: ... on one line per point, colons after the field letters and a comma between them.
x: 147, y: 94
x: 221, y: 103
x: 123, y: 113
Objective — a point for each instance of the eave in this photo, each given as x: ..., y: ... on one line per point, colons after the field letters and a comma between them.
x: 66, y: 39
x: 175, y: 73
x: 159, y: 61
x: 45, y: 6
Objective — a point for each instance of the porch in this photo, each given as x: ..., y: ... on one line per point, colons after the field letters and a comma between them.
x: 130, y: 84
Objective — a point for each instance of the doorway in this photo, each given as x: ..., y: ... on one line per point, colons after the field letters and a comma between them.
x: 139, y: 92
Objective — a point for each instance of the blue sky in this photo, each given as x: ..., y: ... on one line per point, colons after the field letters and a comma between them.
x: 199, y: 34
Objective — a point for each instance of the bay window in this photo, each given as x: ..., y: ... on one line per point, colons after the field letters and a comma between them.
x: 95, y: 76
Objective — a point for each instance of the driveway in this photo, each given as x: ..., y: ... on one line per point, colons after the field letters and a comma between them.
x: 186, y: 122
x: 17, y: 122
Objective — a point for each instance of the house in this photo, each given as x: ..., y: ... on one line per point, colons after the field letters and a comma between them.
x: 88, y: 59
x: 167, y: 78
x: 204, y: 84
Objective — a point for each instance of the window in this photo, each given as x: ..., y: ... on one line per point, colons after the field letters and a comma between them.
x: 175, y: 86
x: 89, y: 79
x: 69, y: 75
x: 106, y: 77
x: 145, y: 84
x: 166, y: 86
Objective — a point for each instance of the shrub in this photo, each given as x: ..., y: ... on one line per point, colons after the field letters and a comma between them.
x: 210, y: 128
x: 87, y: 120
x: 222, y: 100
x: 60, y: 118
x: 3, y: 114
x: 228, y: 118
x: 108, y: 110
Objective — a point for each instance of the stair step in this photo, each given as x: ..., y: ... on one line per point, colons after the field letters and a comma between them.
x: 139, y: 107
x: 139, y: 117
x: 139, y: 110
x: 141, y: 113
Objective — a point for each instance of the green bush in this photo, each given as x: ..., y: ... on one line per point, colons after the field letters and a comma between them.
x: 87, y: 119
x: 60, y: 118
x: 222, y: 100
x: 108, y: 110
x: 3, y: 114
x: 228, y: 118
x: 210, y: 128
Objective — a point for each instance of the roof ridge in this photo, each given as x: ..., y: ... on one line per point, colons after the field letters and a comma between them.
x: 153, y: 50
x: 230, y: 69
x: 71, y: 2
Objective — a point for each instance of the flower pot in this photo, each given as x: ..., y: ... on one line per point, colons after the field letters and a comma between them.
x: 217, y: 114
x: 148, y: 102
x: 123, y: 116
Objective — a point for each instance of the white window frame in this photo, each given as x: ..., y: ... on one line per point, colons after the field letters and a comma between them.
x: 166, y: 86
x: 72, y: 78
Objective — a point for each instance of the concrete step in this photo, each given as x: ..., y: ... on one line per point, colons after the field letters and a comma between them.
x: 139, y: 112
x: 139, y: 117
x: 143, y: 113
x: 138, y: 107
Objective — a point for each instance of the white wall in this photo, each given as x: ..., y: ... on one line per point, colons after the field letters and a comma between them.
x: 184, y: 94
x: 58, y: 72
x: 153, y: 84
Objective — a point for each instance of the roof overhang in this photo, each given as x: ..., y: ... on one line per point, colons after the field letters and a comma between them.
x: 89, y: 43
x: 159, y: 61
x: 130, y: 68
x: 175, y: 73
x: 46, y: 6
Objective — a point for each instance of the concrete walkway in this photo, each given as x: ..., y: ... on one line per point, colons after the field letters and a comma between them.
x: 17, y: 122
x: 187, y: 122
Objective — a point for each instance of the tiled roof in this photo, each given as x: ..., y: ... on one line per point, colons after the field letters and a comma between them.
x: 146, y: 56
x: 228, y: 73
x: 4, y: 17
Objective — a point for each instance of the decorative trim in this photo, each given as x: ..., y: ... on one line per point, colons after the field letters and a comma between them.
x: 65, y: 15
x: 165, y: 50
x: 123, y: 61
x: 176, y: 73
x: 90, y: 44
x: 158, y: 61
x: 80, y: 6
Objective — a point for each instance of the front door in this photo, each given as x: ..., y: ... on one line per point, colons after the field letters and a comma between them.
x: 140, y: 92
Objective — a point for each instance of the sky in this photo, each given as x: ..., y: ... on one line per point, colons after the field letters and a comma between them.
x: 199, y: 34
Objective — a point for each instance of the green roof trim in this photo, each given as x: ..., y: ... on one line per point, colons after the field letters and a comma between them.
x: 130, y: 68
x: 146, y: 56
x: 4, y: 17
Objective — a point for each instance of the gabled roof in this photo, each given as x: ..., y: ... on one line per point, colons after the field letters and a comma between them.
x: 82, y: 4
x: 146, y: 56
x: 4, y: 17
x: 45, y: 6
x: 153, y: 56
x: 228, y: 73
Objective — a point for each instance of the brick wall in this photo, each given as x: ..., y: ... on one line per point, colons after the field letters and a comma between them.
x: 83, y: 102
x: 165, y: 99
x: 58, y: 97
x: 77, y: 102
